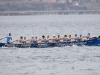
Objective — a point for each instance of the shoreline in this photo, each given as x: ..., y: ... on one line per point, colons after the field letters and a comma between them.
x: 67, y: 12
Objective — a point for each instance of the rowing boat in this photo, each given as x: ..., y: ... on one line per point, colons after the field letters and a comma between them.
x: 91, y: 42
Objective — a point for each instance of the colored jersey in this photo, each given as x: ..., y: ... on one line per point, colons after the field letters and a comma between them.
x: 88, y: 38
x: 8, y: 39
x: 23, y: 42
x: 56, y: 41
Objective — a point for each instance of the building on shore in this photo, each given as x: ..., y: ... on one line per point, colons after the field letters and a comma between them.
x: 46, y: 1
x: 49, y: 1
x: 63, y: 1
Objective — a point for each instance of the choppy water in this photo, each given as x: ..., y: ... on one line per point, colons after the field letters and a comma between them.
x: 49, y: 61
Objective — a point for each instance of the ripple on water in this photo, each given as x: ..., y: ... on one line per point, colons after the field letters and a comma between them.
x: 67, y: 60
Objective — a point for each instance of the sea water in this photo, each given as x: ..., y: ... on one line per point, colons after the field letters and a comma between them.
x: 74, y: 60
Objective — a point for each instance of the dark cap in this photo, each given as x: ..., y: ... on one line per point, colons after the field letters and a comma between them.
x: 58, y: 35
x: 80, y: 34
x: 36, y: 37
x: 43, y: 36
x: 21, y: 37
x: 65, y: 35
x: 88, y: 33
x: 75, y: 34
x: 24, y: 37
x: 9, y: 34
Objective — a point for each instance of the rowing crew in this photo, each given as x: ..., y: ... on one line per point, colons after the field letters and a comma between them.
x: 55, y: 38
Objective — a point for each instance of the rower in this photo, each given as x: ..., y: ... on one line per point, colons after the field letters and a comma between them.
x: 9, y: 38
x: 58, y: 39
x: 35, y: 41
x: 69, y: 38
x: 36, y: 38
x: 24, y: 40
x: 75, y: 35
x: 21, y: 40
x: 43, y: 38
x: 85, y: 38
x: 32, y: 39
x: 47, y: 38
x: 76, y: 38
x: 81, y: 37
x: 65, y: 38
x: 88, y: 36
x: 54, y: 38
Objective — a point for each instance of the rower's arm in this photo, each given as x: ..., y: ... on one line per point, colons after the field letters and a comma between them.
x: 73, y: 38
x: 5, y: 37
x: 70, y: 38
x: 85, y: 36
x: 60, y: 38
x: 11, y: 38
x: 50, y: 39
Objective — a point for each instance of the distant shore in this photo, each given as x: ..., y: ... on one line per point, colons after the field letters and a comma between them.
x: 67, y: 12
x: 23, y: 5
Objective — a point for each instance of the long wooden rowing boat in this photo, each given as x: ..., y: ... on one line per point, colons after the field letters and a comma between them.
x: 91, y: 42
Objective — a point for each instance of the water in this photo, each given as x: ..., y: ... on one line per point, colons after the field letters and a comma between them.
x: 49, y: 61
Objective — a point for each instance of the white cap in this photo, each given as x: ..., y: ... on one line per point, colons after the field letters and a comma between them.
x: 54, y: 35
x: 32, y: 36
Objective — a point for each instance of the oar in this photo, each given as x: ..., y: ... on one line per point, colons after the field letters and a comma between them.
x: 17, y: 40
x: 2, y: 38
x: 14, y: 41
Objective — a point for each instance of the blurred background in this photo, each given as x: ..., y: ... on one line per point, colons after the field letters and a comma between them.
x: 20, y: 6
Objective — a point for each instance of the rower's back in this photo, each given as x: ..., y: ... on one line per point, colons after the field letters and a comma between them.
x: 65, y: 38
x: 88, y: 36
x: 21, y: 40
x: 69, y: 38
x: 9, y: 38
